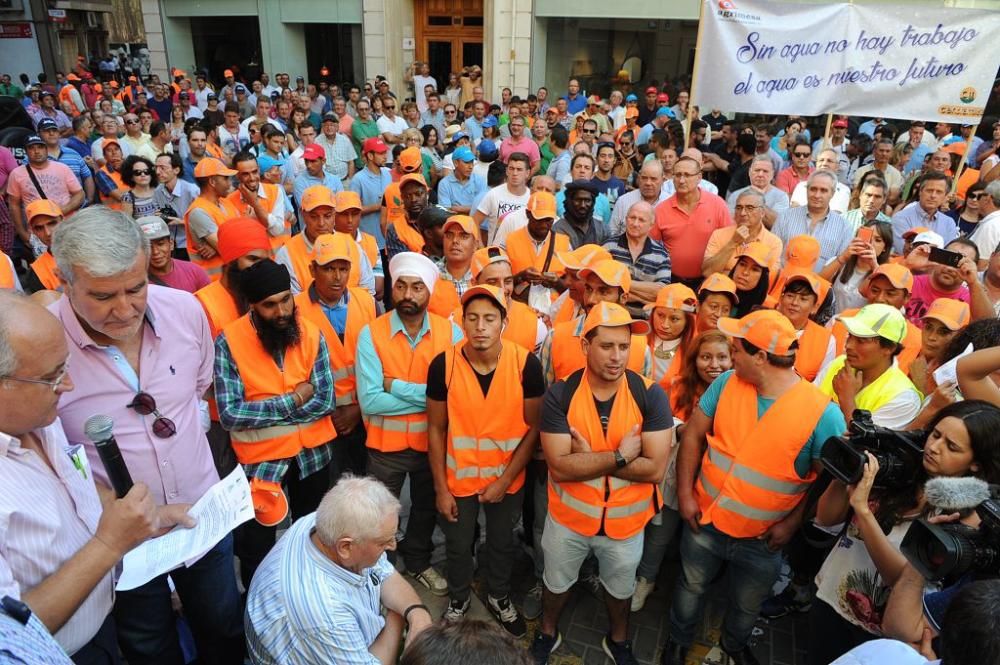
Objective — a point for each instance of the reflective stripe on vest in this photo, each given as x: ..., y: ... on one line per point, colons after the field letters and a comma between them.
x: 748, y: 479
x: 390, y: 434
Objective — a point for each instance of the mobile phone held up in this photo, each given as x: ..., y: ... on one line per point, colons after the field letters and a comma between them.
x: 944, y: 257
x: 865, y: 234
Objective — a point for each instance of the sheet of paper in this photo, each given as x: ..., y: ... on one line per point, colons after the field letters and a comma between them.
x: 947, y: 371
x: 226, y: 505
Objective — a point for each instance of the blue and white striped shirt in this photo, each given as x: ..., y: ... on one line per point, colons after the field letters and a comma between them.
x: 833, y: 232
x: 304, y: 608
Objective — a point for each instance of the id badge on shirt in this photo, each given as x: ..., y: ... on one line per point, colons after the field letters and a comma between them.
x: 78, y: 456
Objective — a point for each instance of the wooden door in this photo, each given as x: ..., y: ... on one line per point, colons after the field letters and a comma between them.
x: 448, y: 33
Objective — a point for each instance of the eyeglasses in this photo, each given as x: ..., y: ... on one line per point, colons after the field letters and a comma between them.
x: 54, y: 383
x: 252, y: 131
x: 589, y: 131
x: 450, y: 112
x: 131, y: 122
x: 389, y: 108
x: 143, y: 172
x: 144, y: 404
x: 800, y: 154
x: 976, y: 196
x: 746, y: 209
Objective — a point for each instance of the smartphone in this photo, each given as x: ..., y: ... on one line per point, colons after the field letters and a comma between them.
x: 944, y: 257
x: 866, y: 233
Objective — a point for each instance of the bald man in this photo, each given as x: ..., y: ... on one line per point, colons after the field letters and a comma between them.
x: 647, y: 259
x: 62, y: 534
x: 650, y: 190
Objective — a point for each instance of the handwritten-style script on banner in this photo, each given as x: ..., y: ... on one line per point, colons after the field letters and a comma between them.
x: 895, y: 61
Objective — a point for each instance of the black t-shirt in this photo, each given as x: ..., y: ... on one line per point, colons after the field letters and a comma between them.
x: 738, y: 178
x: 655, y: 418
x: 532, y: 379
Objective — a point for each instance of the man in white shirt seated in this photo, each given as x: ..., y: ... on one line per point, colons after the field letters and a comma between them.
x: 316, y: 597
x: 826, y: 160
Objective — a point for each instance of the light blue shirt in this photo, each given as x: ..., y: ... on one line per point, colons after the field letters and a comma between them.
x: 645, y: 133
x: 913, y: 215
x: 337, y: 314
x: 833, y: 232
x: 559, y: 167
x: 404, y: 397
x: 452, y: 192
x: 304, y: 181
x: 370, y: 187
x: 304, y: 608
x: 474, y: 129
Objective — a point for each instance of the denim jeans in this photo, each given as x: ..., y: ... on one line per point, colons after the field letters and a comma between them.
x: 146, y: 622
x: 753, y: 569
x: 658, y: 536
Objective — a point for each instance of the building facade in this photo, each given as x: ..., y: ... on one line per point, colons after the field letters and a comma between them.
x: 48, y: 35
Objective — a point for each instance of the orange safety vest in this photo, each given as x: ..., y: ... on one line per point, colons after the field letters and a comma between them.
x: 370, y: 247
x: 567, y: 311
x: 812, y: 349
x: 269, y: 200
x: 107, y: 199
x: 483, y: 430
x: 444, y: 300
x: 567, y: 354
x: 64, y: 96
x: 408, y: 235
x: 623, y: 507
x: 394, y: 204
x: 391, y: 434
x: 911, y: 343
x: 748, y: 480
x: 220, y: 212
x: 220, y: 310
x: 360, y: 312
x: 44, y: 267
x: 6, y: 272
x: 263, y: 379
x: 301, y: 257
x: 522, y: 254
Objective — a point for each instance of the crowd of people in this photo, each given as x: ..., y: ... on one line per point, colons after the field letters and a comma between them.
x: 608, y: 325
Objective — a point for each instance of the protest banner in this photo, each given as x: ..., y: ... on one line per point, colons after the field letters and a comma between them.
x: 891, y: 61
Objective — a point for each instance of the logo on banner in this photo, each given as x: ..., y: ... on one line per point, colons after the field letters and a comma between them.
x: 727, y: 11
x: 968, y: 95
x: 726, y: 4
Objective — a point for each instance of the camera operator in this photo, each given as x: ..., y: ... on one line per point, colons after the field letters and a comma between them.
x: 970, y: 634
x: 867, y: 376
x: 854, y: 582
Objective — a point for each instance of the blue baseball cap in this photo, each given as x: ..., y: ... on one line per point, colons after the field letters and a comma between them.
x: 458, y: 136
x: 664, y: 111
x: 631, y: 98
x: 34, y: 139
x: 489, y: 121
x: 488, y: 150
x: 47, y: 123
x: 463, y: 154
x: 266, y: 163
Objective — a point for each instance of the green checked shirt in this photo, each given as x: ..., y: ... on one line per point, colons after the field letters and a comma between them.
x: 236, y: 412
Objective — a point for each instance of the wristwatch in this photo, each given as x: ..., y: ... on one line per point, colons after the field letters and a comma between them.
x: 620, y: 460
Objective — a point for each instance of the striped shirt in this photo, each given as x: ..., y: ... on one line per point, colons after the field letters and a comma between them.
x: 75, y: 162
x: 46, y: 516
x: 833, y: 232
x: 236, y: 412
x: 29, y: 642
x: 304, y: 608
x: 653, y: 264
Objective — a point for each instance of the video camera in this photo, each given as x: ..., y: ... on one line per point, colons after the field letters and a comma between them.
x: 899, y: 454
x: 949, y: 551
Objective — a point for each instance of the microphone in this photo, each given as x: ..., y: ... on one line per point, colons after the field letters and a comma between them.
x: 99, y: 430
x: 950, y: 495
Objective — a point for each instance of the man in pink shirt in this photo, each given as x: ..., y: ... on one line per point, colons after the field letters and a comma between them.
x: 518, y: 142
x: 164, y: 269
x: 143, y: 355
x: 685, y: 222
x: 941, y: 281
x: 56, y: 180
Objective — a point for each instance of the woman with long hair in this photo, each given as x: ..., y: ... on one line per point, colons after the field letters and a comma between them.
x: 413, y: 138
x: 139, y: 175
x: 176, y: 126
x: 870, y: 248
x: 672, y: 323
x: 453, y: 93
x: 431, y: 149
x: 854, y: 583
x: 967, y: 215
x: 751, y: 275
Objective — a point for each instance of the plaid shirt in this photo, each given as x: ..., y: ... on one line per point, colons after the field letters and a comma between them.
x: 461, y: 285
x: 236, y: 412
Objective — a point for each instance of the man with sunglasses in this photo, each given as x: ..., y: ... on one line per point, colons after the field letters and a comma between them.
x: 112, y: 318
x: 60, y: 543
x: 799, y: 170
x: 391, y: 126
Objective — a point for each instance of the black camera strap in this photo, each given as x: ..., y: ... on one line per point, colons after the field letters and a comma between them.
x: 34, y: 181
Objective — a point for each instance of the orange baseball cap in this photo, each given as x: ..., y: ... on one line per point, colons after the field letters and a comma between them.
x: 332, y: 247
x: 316, y: 197
x: 412, y: 177
x: 227, y: 73
x: 210, y: 166
x: 610, y: 272
x: 114, y: 84
x: 98, y: 87
x: 953, y: 313
x: 270, y: 506
x: 485, y: 256
x: 542, y: 205
x: 74, y: 77
x: 802, y: 252
x: 766, y: 329
x: 631, y: 112
x: 113, y: 141
x: 719, y: 283
x: 817, y: 284
x: 675, y: 296
x: 583, y: 256
x: 957, y: 148
x: 411, y: 160
x: 467, y: 223
x: 348, y: 200
x: 42, y: 207
x: 488, y: 290
x: 612, y: 315
x: 915, y: 231
x: 756, y: 252
x: 897, y: 274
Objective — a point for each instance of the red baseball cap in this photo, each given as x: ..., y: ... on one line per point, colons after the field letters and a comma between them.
x: 374, y: 144
x: 313, y: 151
x: 651, y: 90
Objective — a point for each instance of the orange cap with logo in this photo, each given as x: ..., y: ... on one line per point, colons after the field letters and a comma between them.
x: 542, y: 205
x: 766, y: 329
x: 485, y: 256
x: 953, y: 313
x: 610, y: 272
x: 411, y: 160
x: 317, y: 196
x: 612, y: 315
x: 802, y: 252
x: 270, y: 506
x: 583, y: 256
x: 897, y: 274
x: 332, y: 247
x: 675, y: 296
x: 719, y: 283
x: 488, y: 290
x: 819, y: 286
x: 209, y: 166
x: 412, y: 177
x: 756, y: 252
x: 465, y: 222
